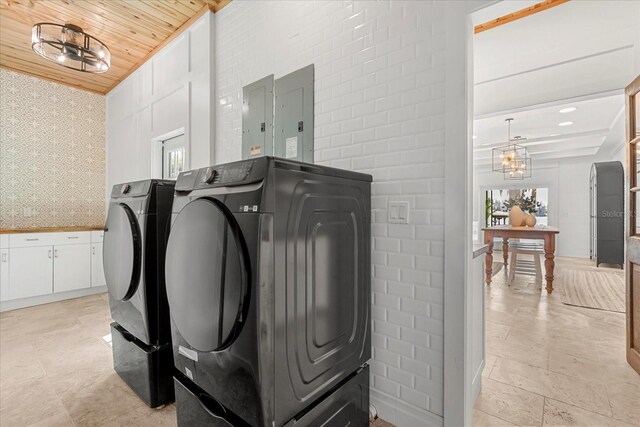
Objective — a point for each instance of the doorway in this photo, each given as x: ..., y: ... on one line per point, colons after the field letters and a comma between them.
x: 173, y: 157
x: 549, y: 359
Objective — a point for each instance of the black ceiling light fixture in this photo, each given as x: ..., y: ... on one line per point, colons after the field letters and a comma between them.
x: 69, y: 46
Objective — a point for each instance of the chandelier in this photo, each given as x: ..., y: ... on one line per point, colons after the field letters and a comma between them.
x: 512, y: 159
x: 69, y: 46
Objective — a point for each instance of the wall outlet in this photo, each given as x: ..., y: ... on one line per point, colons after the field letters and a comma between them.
x: 398, y: 212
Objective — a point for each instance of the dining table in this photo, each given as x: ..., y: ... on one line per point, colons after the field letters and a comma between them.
x: 506, y: 232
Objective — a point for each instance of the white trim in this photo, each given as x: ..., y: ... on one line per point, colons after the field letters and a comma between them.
x: 46, y: 299
x: 458, y: 206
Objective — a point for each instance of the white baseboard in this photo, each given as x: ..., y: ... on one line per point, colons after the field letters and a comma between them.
x: 402, y: 414
x: 46, y: 299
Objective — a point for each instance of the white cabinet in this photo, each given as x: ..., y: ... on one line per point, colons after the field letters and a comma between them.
x: 71, y: 267
x: 30, y: 272
x: 4, y: 274
x: 97, y: 268
x: 37, y: 268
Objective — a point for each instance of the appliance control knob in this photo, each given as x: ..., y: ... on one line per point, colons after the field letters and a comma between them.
x: 210, y: 175
x: 125, y: 188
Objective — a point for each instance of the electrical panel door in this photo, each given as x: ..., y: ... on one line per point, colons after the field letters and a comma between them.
x: 257, y: 118
x: 293, y: 135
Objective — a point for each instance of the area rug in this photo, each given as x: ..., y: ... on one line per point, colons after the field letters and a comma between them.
x: 592, y: 289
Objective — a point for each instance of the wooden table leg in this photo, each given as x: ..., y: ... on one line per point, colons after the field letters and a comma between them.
x: 488, y: 263
x: 505, y: 251
x: 549, y: 263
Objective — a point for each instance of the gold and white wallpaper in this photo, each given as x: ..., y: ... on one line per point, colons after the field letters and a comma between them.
x: 52, y: 159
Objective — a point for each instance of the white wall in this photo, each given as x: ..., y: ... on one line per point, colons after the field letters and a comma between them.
x: 380, y: 86
x: 171, y: 93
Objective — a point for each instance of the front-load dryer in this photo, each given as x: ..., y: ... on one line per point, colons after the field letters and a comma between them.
x: 134, y: 255
x: 268, y: 281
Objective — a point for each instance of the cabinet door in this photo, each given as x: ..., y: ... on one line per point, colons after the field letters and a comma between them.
x: 4, y: 274
x: 71, y: 267
x: 97, y: 267
x: 30, y: 272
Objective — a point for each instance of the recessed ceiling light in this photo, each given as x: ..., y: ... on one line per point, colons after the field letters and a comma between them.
x: 568, y: 110
x: 565, y: 123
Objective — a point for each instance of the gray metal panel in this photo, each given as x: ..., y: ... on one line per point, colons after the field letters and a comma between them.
x: 348, y: 406
x: 323, y: 284
x: 257, y: 118
x: 293, y: 135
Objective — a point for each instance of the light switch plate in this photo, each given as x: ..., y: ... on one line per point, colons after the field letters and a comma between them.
x: 398, y: 212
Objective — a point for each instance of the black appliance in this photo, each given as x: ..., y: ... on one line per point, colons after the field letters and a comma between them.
x: 269, y: 285
x: 134, y: 253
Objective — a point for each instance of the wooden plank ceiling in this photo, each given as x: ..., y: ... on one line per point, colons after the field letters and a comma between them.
x: 132, y: 30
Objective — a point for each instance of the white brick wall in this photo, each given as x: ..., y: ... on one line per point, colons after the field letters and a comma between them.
x: 379, y: 109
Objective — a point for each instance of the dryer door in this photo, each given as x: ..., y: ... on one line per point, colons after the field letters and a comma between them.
x: 207, y: 275
x: 122, y: 252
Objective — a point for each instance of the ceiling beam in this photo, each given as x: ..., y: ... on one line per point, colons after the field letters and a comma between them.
x: 522, y: 13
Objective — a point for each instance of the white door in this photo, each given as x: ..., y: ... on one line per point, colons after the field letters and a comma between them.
x: 30, y: 272
x: 4, y: 274
x: 173, y: 157
x: 97, y: 267
x: 72, y: 267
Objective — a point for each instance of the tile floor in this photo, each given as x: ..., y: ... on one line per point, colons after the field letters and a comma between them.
x: 547, y: 364
x: 552, y: 364
x: 56, y: 370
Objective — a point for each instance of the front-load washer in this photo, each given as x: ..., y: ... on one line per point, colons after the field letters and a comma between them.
x: 134, y: 256
x: 268, y: 281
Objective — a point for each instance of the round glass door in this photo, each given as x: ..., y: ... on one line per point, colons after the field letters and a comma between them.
x: 122, y: 252
x: 207, y: 277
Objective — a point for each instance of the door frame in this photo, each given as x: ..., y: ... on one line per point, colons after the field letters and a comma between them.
x: 632, y: 249
x: 458, y: 399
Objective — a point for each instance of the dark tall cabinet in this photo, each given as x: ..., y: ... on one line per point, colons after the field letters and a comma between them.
x: 607, y: 213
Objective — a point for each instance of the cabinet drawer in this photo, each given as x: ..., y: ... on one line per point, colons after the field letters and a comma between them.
x: 97, y: 236
x: 27, y: 240
x: 71, y: 238
x: 4, y: 241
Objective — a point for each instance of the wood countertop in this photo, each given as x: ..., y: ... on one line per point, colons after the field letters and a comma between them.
x: 542, y: 229
x: 50, y: 230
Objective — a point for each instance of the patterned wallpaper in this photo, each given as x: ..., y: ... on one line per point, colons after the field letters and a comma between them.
x: 52, y: 160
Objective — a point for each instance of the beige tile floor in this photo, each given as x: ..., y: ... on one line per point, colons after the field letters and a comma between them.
x: 56, y: 370
x: 553, y: 364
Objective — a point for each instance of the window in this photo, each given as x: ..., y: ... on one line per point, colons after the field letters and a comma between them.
x: 531, y: 200
x: 173, y: 153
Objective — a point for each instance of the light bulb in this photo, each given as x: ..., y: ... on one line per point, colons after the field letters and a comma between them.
x: 61, y: 58
x: 101, y: 54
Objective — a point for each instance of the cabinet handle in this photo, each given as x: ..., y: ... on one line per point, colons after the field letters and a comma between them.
x: 4, y: 257
x: 55, y: 253
x: 72, y: 237
x: 93, y: 250
x: 31, y: 240
x: 49, y: 254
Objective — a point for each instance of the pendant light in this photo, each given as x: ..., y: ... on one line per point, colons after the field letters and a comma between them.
x: 512, y: 159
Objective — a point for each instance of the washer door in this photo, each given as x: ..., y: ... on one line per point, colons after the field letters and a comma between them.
x: 207, y: 275
x: 122, y: 252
